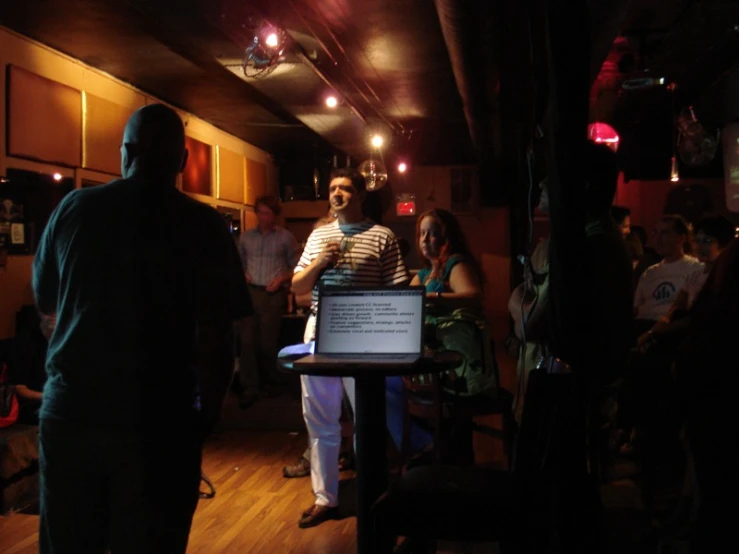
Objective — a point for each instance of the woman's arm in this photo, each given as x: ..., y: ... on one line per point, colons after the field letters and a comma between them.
x: 465, y: 289
x: 28, y: 394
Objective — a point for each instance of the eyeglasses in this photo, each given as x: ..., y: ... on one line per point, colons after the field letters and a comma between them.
x: 704, y: 240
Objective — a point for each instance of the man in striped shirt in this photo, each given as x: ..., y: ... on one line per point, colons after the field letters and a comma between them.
x: 268, y: 254
x: 352, y: 251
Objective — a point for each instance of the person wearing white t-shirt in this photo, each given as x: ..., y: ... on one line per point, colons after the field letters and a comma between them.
x: 660, y: 284
x: 656, y: 291
x: 712, y: 235
x: 352, y: 251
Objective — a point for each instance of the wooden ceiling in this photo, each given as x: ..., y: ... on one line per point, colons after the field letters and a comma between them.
x: 389, y: 60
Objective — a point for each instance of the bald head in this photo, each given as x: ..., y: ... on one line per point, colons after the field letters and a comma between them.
x: 153, y: 144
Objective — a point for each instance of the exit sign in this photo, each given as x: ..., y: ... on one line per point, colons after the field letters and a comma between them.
x: 405, y: 204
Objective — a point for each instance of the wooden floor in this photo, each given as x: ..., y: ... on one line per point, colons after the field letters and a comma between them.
x: 256, y: 510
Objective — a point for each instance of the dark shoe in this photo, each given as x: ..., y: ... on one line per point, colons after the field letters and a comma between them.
x: 315, y: 515
x: 247, y: 400
x: 300, y: 469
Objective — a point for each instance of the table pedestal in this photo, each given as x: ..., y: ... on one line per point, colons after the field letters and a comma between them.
x: 371, y: 447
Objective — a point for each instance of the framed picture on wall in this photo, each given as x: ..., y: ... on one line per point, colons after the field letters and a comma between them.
x: 27, y: 199
x: 14, y: 235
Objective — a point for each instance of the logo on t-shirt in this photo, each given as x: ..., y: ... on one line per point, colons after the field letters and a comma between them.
x: 663, y: 291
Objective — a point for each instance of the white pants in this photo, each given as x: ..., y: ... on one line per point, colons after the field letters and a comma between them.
x: 322, y: 399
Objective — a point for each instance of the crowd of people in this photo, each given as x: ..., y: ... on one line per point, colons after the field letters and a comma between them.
x: 140, y: 311
x: 140, y: 288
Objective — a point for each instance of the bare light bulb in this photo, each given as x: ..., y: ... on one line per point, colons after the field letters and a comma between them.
x: 57, y: 176
x: 402, y: 167
x: 377, y: 141
x: 674, y: 174
x: 272, y: 40
x: 332, y: 102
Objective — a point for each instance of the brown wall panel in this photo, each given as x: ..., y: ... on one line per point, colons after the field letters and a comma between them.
x: 230, y: 176
x: 256, y: 180
x: 45, y: 119
x: 103, y: 126
x: 196, y: 178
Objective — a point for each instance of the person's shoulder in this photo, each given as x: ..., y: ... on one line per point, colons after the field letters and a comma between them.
x: 457, y: 259
x: 198, y: 209
x: 80, y: 201
x: 693, y: 263
x: 106, y: 190
x: 203, y: 220
x: 325, y: 230
x: 373, y: 227
x: 694, y: 276
x: 652, y: 269
x: 283, y: 232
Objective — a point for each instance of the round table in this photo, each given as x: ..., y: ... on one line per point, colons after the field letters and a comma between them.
x: 370, y: 428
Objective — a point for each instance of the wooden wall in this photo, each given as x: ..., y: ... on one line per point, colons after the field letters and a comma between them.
x: 60, y: 115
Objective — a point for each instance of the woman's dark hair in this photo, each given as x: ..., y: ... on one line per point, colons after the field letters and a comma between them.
x: 640, y: 232
x: 455, y: 242
x: 619, y: 213
x: 634, y: 247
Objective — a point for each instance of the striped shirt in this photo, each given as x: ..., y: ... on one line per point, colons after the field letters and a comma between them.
x: 265, y: 257
x: 370, y: 257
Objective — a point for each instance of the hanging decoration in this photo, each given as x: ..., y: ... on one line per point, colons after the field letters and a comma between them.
x: 374, y: 173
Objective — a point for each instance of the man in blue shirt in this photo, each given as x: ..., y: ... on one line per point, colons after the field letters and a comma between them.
x: 145, y: 284
x: 268, y: 253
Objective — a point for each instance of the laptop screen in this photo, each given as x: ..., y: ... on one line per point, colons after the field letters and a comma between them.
x: 370, y: 321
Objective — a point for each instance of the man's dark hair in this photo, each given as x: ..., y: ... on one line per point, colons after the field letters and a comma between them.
x: 269, y: 201
x: 352, y: 174
x: 718, y: 227
x: 601, y: 172
x: 619, y: 213
x: 679, y: 223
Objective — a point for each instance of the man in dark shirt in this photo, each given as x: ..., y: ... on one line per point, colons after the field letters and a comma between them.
x: 145, y: 284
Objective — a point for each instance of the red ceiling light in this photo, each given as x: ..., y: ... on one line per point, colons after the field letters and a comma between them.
x: 603, y: 133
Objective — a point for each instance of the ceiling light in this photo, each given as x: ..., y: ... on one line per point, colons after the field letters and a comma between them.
x: 402, y: 167
x: 332, y: 102
x: 377, y: 141
x: 272, y: 40
x: 602, y: 133
x: 57, y: 176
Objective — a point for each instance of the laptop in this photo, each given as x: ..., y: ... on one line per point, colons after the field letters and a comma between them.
x: 366, y: 327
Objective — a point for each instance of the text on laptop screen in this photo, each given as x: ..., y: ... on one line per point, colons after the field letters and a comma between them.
x: 373, y: 322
